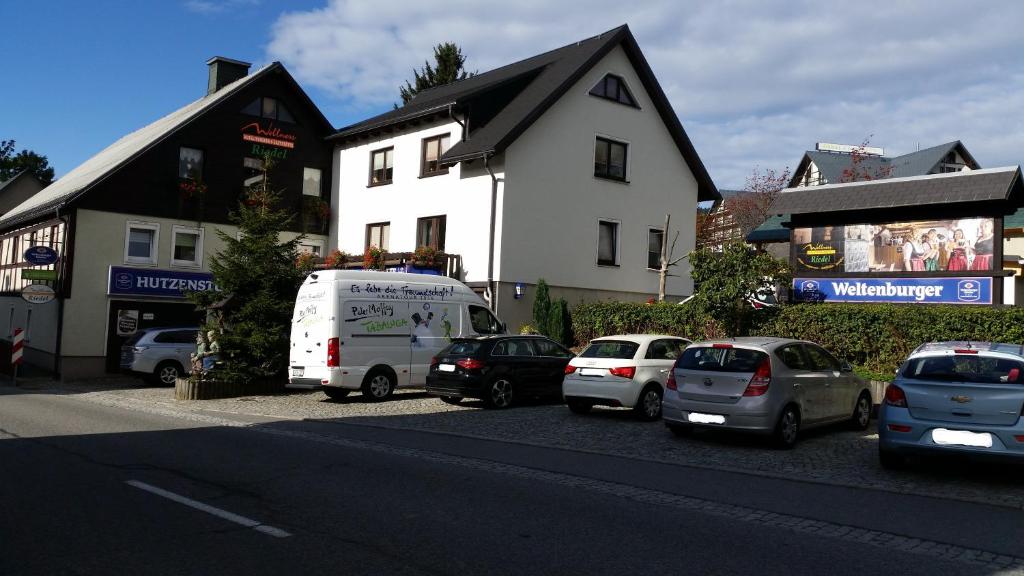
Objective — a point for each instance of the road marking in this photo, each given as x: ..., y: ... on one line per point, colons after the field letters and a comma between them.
x: 229, y: 516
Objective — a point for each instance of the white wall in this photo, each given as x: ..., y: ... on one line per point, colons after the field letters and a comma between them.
x: 462, y: 195
x: 553, y: 201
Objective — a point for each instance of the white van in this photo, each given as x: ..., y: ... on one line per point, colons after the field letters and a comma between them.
x: 377, y: 331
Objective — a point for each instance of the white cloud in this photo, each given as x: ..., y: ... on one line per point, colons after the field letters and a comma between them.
x: 755, y: 82
x: 216, y: 6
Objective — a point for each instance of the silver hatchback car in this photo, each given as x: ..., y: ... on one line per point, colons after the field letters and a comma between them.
x: 955, y: 397
x: 160, y: 355
x: 763, y: 385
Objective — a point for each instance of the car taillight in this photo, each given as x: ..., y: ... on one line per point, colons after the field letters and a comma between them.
x: 624, y: 372
x: 759, y: 382
x: 333, y: 353
x: 722, y: 346
x: 470, y: 363
x: 894, y: 396
x: 670, y: 384
x: 964, y: 351
x: 569, y: 368
x: 433, y: 361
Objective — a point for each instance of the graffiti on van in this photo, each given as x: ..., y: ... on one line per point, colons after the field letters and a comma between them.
x: 392, y: 292
x: 362, y: 311
x: 307, y: 315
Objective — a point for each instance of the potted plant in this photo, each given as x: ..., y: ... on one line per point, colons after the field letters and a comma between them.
x: 428, y: 257
x: 373, y: 258
x: 336, y: 260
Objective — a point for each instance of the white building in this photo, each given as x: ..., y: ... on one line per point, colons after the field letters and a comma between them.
x: 561, y: 166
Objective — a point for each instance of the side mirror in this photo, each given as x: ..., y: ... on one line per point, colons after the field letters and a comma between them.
x: 845, y: 367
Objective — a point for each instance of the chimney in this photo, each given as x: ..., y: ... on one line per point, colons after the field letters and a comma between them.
x: 224, y: 71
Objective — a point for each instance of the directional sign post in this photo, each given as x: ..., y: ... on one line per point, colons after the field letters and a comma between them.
x: 17, y: 351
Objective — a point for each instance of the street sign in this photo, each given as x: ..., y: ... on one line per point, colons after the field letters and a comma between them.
x: 40, y: 255
x: 38, y: 293
x: 33, y: 274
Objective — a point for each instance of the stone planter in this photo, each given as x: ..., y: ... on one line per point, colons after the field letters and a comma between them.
x: 185, y: 389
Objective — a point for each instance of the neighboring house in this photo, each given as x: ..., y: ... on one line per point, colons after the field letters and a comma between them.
x: 821, y: 167
x: 18, y: 188
x: 716, y: 223
x: 133, y: 225
x: 561, y: 166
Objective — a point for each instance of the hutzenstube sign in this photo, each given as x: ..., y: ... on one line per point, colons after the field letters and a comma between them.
x: 124, y: 281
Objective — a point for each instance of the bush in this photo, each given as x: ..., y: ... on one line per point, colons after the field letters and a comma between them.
x: 878, y: 337
x: 595, y: 319
x: 560, y: 323
x: 542, y: 308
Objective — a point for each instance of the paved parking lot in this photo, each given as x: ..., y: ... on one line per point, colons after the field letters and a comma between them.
x: 834, y: 456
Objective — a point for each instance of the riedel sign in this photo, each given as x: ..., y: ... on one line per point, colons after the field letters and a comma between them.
x: 896, y: 290
x: 153, y: 282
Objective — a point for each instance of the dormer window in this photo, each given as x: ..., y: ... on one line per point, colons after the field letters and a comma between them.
x: 269, y: 108
x: 613, y: 87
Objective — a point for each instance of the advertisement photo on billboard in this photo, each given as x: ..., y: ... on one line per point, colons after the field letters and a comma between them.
x: 919, y: 246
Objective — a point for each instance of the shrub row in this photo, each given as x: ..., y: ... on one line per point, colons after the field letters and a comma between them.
x: 875, y: 337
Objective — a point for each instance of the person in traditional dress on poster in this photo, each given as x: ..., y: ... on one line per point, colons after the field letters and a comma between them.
x: 983, y: 247
x: 958, y: 249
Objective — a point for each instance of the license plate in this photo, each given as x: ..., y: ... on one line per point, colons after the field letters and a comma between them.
x: 946, y: 437
x: 446, y: 367
x: 298, y: 372
x: 699, y: 418
x: 592, y: 372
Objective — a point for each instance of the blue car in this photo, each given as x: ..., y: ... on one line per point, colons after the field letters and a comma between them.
x: 955, y: 397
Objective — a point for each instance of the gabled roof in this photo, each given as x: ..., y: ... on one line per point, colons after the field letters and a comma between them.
x: 993, y: 184
x: 771, y: 230
x: 832, y: 164
x: 927, y: 160
x: 110, y: 159
x: 532, y: 86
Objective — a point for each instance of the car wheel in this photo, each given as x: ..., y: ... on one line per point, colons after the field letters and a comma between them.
x: 891, y: 460
x: 862, y: 412
x: 648, y: 405
x: 335, y: 393
x: 680, y: 431
x: 578, y: 406
x: 453, y: 400
x: 498, y: 393
x: 379, y: 385
x: 167, y: 373
x: 788, y: 428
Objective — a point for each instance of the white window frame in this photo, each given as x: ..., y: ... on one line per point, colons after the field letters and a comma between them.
x: 200, y: 232
x: 154, y: 251
x: 647, y: 246
x: 618, y: 243
x: 319, y: 184
x: 307, y: 243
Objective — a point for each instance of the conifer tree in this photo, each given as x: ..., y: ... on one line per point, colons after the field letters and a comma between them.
x: 448, y: 68
x: 542, y: 308
x: 257, y: 275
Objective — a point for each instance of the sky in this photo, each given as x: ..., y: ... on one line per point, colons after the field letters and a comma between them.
x: 754, y: 82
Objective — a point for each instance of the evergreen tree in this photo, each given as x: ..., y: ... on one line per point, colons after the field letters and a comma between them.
x: 542, y: 308
x: 560, y: 323
x: 448, y: 68
x: 257, y: 274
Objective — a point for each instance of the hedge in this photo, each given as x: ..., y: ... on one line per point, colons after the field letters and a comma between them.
x: 873, y: 337
x: 594, y: 319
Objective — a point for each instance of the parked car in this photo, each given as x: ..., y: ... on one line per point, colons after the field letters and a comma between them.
x: 955, y: 397
x: 377, y: 331
x: 160, y: 355
x: 628, y: 371
x: 763, y: 385
x: 500, y: 370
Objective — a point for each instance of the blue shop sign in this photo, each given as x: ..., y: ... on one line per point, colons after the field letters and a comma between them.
x: 125, y: 281
x: 40, y: 255
x: 896, y: 290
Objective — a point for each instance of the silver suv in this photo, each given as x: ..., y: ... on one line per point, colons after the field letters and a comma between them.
x: 159, y: 354
x: 763, y: 385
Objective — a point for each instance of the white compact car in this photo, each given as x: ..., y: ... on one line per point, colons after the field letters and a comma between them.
x: 627, y: 371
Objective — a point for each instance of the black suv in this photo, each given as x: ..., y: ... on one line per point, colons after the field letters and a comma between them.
x: 498, y: 369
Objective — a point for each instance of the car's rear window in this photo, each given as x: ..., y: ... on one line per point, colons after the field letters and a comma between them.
x: 965, y: 368
x: 618, y: 349
x: 462, y: 348
x: 134, y: 338
x: 721, y: 359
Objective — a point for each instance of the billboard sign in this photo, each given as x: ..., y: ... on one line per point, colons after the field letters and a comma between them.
x: 894, y: 290
x: 916, y: 246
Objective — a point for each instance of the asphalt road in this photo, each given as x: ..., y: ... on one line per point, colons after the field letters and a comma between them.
x: 89, y: 489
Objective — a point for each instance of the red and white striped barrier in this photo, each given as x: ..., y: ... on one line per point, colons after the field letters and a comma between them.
x: 17, y: 349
